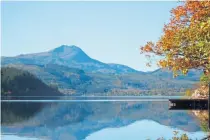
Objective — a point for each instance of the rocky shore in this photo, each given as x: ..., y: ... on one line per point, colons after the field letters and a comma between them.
x: 200, y: 93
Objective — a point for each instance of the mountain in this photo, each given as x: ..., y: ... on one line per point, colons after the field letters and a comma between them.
x: 192, y: 75
x: 70, y: 70
x: 75, y: 81
x: 71, y: 56
x: 15, y: 82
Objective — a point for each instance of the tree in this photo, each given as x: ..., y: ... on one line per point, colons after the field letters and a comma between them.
x: 205, y: 79
x: 185, y: 43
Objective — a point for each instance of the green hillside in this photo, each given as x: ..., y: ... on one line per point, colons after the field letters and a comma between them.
x: 15, y: 82
x: 77, y: 82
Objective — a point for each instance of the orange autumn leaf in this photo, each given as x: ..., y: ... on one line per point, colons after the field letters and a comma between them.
x: 147, y: 48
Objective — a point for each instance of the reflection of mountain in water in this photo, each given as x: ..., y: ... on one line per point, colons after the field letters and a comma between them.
x: 13, y: 112
x: 80, y: 119
x: 141, y: 130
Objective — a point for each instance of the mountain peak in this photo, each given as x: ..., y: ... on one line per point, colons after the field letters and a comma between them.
x: 66, y: 48
x: 70, y: 53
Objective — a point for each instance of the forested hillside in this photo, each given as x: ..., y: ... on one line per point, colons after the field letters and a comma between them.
x: 15, y: 82
x: 78, y: 82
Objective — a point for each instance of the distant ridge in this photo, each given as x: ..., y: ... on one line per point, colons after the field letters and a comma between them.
x: 71, y: 56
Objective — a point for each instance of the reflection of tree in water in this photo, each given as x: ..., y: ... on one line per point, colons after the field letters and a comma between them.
x: 14, y: 112
x: 203, y: 117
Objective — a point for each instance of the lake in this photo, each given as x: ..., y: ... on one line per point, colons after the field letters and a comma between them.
x: 95, y: 118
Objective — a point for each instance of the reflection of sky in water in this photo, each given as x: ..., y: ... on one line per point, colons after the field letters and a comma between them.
x: 96, y: 121
x: 140, y: 130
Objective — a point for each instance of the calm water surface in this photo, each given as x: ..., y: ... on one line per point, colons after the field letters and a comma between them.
x: 95, y: 118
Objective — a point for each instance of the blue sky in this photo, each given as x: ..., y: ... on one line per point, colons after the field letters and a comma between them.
x: 111, y: 32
